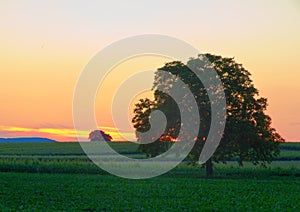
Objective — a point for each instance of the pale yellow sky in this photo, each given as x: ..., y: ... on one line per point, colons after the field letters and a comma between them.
x: 45, y: 45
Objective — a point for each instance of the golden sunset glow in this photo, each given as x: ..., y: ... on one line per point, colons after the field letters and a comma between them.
x: 46, y: 45
x: 60, y: 134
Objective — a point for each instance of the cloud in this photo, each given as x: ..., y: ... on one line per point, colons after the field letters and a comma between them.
x: 60, y: 133
x: 3, y: 134
x: 108, y: 128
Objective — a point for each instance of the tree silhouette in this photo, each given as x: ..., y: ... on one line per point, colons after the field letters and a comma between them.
x: 99, y: 135
x: 248, y: 135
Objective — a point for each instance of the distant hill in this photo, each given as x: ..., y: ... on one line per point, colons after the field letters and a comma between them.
x: 26, y: 140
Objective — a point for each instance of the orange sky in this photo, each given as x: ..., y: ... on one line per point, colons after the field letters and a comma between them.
x: 45, y: 46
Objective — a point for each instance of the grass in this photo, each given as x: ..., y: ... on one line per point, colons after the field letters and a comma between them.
x: 70, y: 158
x: 60, y: 177
x: 63, y: 148
x: 73, y: 192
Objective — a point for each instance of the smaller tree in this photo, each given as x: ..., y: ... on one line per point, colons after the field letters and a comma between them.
x: 99, y: 135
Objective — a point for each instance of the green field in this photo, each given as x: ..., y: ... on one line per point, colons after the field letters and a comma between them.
x: 59, y: 176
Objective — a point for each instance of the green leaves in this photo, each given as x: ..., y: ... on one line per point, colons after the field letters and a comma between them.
x: 248, y: 135
x: 75, y: 192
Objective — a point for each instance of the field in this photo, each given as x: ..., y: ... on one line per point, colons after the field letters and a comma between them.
x: 59, y: 176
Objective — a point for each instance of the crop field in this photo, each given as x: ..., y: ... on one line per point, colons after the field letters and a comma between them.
x: 59, y: 176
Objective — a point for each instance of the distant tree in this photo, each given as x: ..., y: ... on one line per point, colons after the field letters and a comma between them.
x: 248, y: 134
x: 99, y: 135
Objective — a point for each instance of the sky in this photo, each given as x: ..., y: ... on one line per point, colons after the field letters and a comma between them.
x: 46, y: 44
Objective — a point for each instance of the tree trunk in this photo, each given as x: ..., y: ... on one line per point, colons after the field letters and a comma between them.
x: 209, y: 168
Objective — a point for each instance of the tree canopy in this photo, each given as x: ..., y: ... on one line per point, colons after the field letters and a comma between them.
x: 248, y: 135
x: 99, y: 135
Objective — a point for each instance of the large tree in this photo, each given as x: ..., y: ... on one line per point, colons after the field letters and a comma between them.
x: 248, y: 135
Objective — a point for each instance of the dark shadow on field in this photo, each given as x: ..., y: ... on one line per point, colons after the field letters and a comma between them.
x: 235, y: 172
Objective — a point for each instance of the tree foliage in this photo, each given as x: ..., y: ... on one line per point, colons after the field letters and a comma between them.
x: 248, y: 135
x: 99, y: 135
